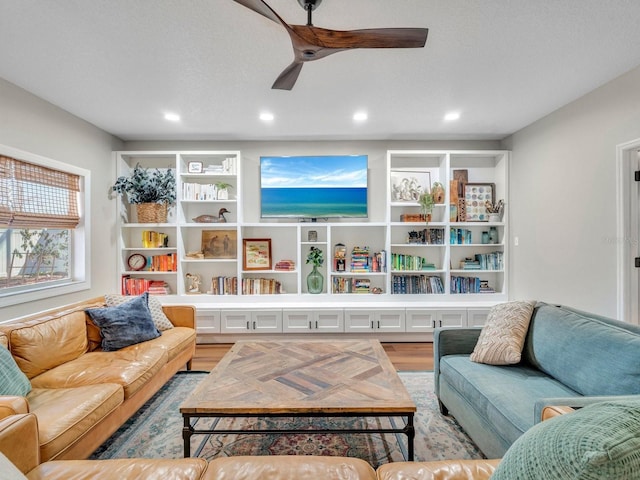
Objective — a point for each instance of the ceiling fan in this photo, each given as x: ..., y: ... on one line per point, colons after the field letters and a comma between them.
x: 313, y: 43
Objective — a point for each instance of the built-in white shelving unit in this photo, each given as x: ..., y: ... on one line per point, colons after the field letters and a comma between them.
x: 393, y: 309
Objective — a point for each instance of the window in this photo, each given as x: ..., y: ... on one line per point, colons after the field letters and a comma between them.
x: 43, y: 236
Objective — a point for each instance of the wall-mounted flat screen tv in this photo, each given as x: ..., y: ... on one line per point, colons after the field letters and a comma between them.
x: 312, y: 187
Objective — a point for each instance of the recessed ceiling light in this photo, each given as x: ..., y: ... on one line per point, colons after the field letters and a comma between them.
x: 172, y: 117
x: 451, y: 116
x: 360, y: 116
x: 266, y: 117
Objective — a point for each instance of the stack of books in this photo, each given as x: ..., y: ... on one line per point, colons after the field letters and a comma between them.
x: 285, y: 266
x: 224, y: 285
x: 360, y: 260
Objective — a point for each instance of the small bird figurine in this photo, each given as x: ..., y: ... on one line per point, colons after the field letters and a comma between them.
x: 211, y: 218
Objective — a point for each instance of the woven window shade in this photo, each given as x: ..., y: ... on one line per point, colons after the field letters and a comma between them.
x: 33, y: 196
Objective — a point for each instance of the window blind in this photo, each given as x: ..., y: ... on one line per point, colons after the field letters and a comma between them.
x: 34, y: 196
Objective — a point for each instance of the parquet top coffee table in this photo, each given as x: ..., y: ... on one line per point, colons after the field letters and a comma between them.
x: 301, y: 378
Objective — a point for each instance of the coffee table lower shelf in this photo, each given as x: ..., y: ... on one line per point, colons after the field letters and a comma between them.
x: 407, y: 418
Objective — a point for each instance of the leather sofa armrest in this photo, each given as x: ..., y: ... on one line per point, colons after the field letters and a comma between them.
x: 555, y: 411
x: 19, y: 441
x: 575, y: 402
x: 181, y: 315
x: 438, y: 470
x: 12, y: 405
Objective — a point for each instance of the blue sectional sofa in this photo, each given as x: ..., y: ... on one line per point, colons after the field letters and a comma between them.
x: 569, y: 358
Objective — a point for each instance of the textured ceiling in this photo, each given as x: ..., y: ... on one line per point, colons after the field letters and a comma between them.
x: 122, y: 64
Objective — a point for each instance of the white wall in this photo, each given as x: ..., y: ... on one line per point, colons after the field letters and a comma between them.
x: 31, y: 124
x: 563, y: 191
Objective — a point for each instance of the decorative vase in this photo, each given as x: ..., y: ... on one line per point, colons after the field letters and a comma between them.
x: 485, y: 237
x: 493, y: 235
x: 315, y: 281
x: 494, y: 217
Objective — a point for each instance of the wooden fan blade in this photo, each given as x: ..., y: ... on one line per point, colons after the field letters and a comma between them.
x: 367, y: 38
x: 262, y: 8
x: 287, y: 79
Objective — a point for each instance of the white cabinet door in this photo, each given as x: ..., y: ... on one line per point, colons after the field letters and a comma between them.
x: 298, y: 321
x: 420, y: 320
x: 451, y: 318
x: 235, y: 321
x: 477, y: 317
x: 266, y: 321
x: 359, y: 321
x: 207, y: 321
x: 329, y: 321
x: 389, y: 321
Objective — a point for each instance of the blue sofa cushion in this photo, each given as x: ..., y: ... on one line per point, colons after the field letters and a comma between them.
x: 590, y: 354
x: 600, y: 441
x: 125, y: 324
x: 503, y: 395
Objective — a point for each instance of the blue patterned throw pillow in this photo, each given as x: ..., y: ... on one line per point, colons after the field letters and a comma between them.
x: 12, y: 380
x: 125, y: 324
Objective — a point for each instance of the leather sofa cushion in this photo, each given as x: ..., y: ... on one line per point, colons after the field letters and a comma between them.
x: 4, y: 340
x: 132, y: 367
x: 283, y: 467
x: 40, y: 346
x: 175, y: 340
x: 118, y: 469
x: 66, y: 414
x: 440, y: 470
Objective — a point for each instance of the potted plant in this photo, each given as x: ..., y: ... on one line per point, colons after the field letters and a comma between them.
x: 222, y: 188
x: 426, y: 205
x: 151, y: 190
x: 315, y: 279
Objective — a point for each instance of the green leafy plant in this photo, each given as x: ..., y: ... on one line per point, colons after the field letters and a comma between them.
x: 223, y: 185
x: 426, y: 203
x: 147, y: 186
x: 315, y: 257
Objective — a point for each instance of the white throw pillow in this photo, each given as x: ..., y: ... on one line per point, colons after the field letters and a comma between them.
x: 9, y: 470
x: 155, y: 307
x: 502, y: 338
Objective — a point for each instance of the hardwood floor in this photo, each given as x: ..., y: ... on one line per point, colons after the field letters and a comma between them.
x: 404, y: 356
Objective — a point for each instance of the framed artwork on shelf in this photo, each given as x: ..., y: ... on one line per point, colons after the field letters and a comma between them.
x: 194, y: 167
x: 408, y: 185
x: 220, y: 244
x: 475, y: 196
x: 256, y: 254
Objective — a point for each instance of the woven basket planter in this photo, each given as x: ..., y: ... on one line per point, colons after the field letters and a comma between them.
x: 152, y: 212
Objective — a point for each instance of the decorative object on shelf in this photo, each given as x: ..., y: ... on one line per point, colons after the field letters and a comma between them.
x: 462, y: 210
x: 413, y: 217
x: 151, y: 190
x: 437, y: 192
x: 408, y: 186
x: 256, y: 254
x: 462, y: 177
x: 196, y: 255
x: 192, y: 283
x: 475, y: 196
x: 211, y: 218
x: 219, y: 243
x: 315, y: 280
x: 426, y: 205
x: 312, y: 236
x: 222, y: 189
x: 136, y: 262
x: 194, y: 167
x: 493, y: 235
x: 340, y: 258
x: 495, y: 211
x: 485, y: 237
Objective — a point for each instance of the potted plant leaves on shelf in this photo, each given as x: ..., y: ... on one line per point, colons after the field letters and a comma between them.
x: 222, y: 190
x: 152, y: 191
x: 426, y: 205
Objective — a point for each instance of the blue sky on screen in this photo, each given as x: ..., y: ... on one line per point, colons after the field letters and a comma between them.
x: 318, y: 171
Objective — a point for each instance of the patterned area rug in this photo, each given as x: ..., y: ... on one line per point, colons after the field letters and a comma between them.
x: 156, y: 431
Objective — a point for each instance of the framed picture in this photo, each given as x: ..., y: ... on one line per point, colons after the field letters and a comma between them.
x: 220, y: 243
x: 475, y: 194
x: 256, y: 254
x: 194, y: 167
x: 408, y: 185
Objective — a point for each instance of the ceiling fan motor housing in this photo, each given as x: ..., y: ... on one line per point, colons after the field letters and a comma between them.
x: 306, y: 4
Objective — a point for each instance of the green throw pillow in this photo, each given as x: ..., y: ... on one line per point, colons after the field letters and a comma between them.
x: 13, y: 381
x: 598, y: 442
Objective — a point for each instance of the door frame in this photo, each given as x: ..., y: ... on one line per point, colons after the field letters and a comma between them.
x: 628, y: 231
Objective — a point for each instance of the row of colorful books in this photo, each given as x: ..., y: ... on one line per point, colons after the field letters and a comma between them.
x: 401, y: 261
x: 162, y: 263
x: 470, y: 285
x: 261, y: 286
x: 138, y: 286
x: 350, y: 285
x: 224, y: 285
x: 416, y: 284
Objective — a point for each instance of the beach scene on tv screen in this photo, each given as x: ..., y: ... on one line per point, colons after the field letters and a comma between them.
x: 313, y: 186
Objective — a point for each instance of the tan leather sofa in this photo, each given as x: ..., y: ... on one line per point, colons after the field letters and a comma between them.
x: 19, y: 443
x: 80, y: 394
